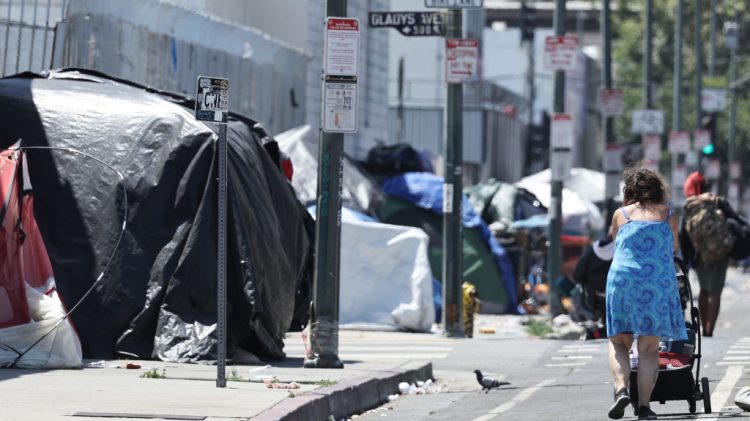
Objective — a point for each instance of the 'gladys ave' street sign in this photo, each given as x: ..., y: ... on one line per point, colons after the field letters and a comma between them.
x: 412, y: 24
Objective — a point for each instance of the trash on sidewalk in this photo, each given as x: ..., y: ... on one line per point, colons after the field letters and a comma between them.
x: 275, y: 384
x: 487, y: 330
x: 420, y: 388
x: 565, y: 328
x: 95, y: 364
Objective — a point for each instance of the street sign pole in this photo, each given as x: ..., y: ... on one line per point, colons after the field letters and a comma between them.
x: 452, y: 195
x: 554, y: 254
x: 212, y: 104
x: 611, y: 177
x: 324, y: 316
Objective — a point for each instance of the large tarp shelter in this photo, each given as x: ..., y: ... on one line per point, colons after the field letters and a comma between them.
x: 158, y: 298
x: 416, y: 199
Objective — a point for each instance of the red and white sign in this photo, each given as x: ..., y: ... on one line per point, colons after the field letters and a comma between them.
x: 561, y: 131
x: 651, y: 165
x: 612, y: 102
x: 735, y: 170
x: 342, y: 46
x: 713, y: 169
x: 461, y: 60
x: 701, y: 139
x: 613, y: 158
x: 561, y: 52
x: 652, y: 147
x: 679, y: 142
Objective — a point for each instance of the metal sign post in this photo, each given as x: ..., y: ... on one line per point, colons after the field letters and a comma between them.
x: 339, y: 116
x: 212, y: 104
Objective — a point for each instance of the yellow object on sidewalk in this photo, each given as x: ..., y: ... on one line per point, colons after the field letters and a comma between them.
x: 471, y: 306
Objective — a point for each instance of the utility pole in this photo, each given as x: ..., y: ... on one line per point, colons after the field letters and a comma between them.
x: 647, y: 47
x: 554, y: 254
x: 452, y: 195
x: 677, y: 100
x: 698, y: 65
x: 324, y: 315
x: 608, y: 131
x: 732, y: 34
x: 712, y: 53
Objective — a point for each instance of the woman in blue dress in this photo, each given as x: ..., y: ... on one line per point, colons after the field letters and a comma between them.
x: 642, y: 295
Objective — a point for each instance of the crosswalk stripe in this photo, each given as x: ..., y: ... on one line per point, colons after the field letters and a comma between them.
x: 740, y: 363
x: 385, y: 349
x: 724, y: 389
x: 573, y: 357
x: 738, y: 352
x: 565, y: 365
x: 747, y: 358
x: 564, y: 351
x: 522, y: 396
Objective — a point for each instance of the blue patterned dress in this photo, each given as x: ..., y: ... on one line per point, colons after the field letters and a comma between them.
x: 642, y: 295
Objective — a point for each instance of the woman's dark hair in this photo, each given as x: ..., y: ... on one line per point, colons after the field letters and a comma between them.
x: 643, y: 186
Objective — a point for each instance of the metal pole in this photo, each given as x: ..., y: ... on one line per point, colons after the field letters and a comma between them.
x: 647, y: 48
x: 530, y: 88
x: 733, y: 114
x: 453, y: 193
x: 698, y: 64
x: 608, y: 131
x: 554, y: 254
x: 712, y: 52
x: 324, y: 317
x: 677, y: 99
x: 33, y: 36
x: 401, y: 100
x: 221, y: 295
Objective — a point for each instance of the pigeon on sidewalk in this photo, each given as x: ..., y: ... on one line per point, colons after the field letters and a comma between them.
x: 488, y: 383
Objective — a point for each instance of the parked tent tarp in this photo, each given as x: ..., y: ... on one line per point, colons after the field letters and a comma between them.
x: 358, y: 191
x: 416, y: 200
x: 386, y: 280
x: 158, y: 299
x: 28, y: 316
x: 579, y: 215
x: 496, y: 201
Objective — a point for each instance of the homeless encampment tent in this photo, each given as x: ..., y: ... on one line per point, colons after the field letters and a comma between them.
x: 358, y: 191
x: 386, y: 280
x: 416, y: 199
x: 157, y: 296
x: 33, y: 330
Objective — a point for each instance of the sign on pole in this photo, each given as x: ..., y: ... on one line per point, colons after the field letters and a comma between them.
x: 212, y: 104
x: 411, y: 24
x: 652, y: 147
x: 561, y: 52
x: 453, y: 4
x: 647, y: 122
x: 713, y: 100
x: 651, y: 165
x: 679, y: 175
x: 713, y: 169
x: 342, y: 46
x: 612, y: 102
x: 561, y: 141
x: 701, y: 139
x: 340, y: 104
x: 613, y: 159
x: 679, y: 142
x: 212, y: 99
x: 461, y: 60
x: 735, y: 170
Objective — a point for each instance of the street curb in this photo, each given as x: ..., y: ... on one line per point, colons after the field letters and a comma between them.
x: 347, y: 397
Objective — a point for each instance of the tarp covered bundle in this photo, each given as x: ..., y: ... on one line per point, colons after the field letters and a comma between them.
x: 158, y: 298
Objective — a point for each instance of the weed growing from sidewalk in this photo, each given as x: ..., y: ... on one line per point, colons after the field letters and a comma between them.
x: 325, y: 382
x: 234, y: 376
x: 538, y: 328
x: 154, y: 374
x: 292, y: 394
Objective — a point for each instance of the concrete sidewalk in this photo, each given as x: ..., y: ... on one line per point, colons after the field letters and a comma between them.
x: 375, y: 363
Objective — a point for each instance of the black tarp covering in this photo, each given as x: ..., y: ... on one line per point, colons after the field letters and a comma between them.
x: 158, y: 299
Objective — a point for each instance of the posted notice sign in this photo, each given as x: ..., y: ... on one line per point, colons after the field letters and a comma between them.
x: 454, y: 4
x: 561, y: 131
x: 461, y: 60
x: 713, y: 100
x: 652, y: 147
x: 342, y: 46
x: 647, y: 122
x: 561, y: 52
x: 613, y: 159
x: 701, y: 139
x: 340, y: 104
x: 612, y: 102
x: 679, y: 142
x: 212, y: 99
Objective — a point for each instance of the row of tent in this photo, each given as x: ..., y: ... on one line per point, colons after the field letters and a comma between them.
x: 123, y: 184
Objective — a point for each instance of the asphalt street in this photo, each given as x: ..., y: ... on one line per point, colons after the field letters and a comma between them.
x: 570, y: 379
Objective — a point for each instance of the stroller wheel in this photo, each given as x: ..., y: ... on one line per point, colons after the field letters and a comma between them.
x: 706, y: 395
x: 691, y: 406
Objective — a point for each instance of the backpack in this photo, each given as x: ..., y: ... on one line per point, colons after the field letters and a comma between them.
x: 741, y: 233
x: 708, y: 228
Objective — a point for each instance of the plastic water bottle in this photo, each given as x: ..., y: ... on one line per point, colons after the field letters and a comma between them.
x: 634, y: 358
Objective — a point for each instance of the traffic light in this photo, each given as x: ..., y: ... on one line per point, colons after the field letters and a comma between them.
x: 708, y: 123
x: 527, y: 22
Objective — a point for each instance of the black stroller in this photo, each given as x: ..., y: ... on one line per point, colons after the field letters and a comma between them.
x: 678, y: 383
